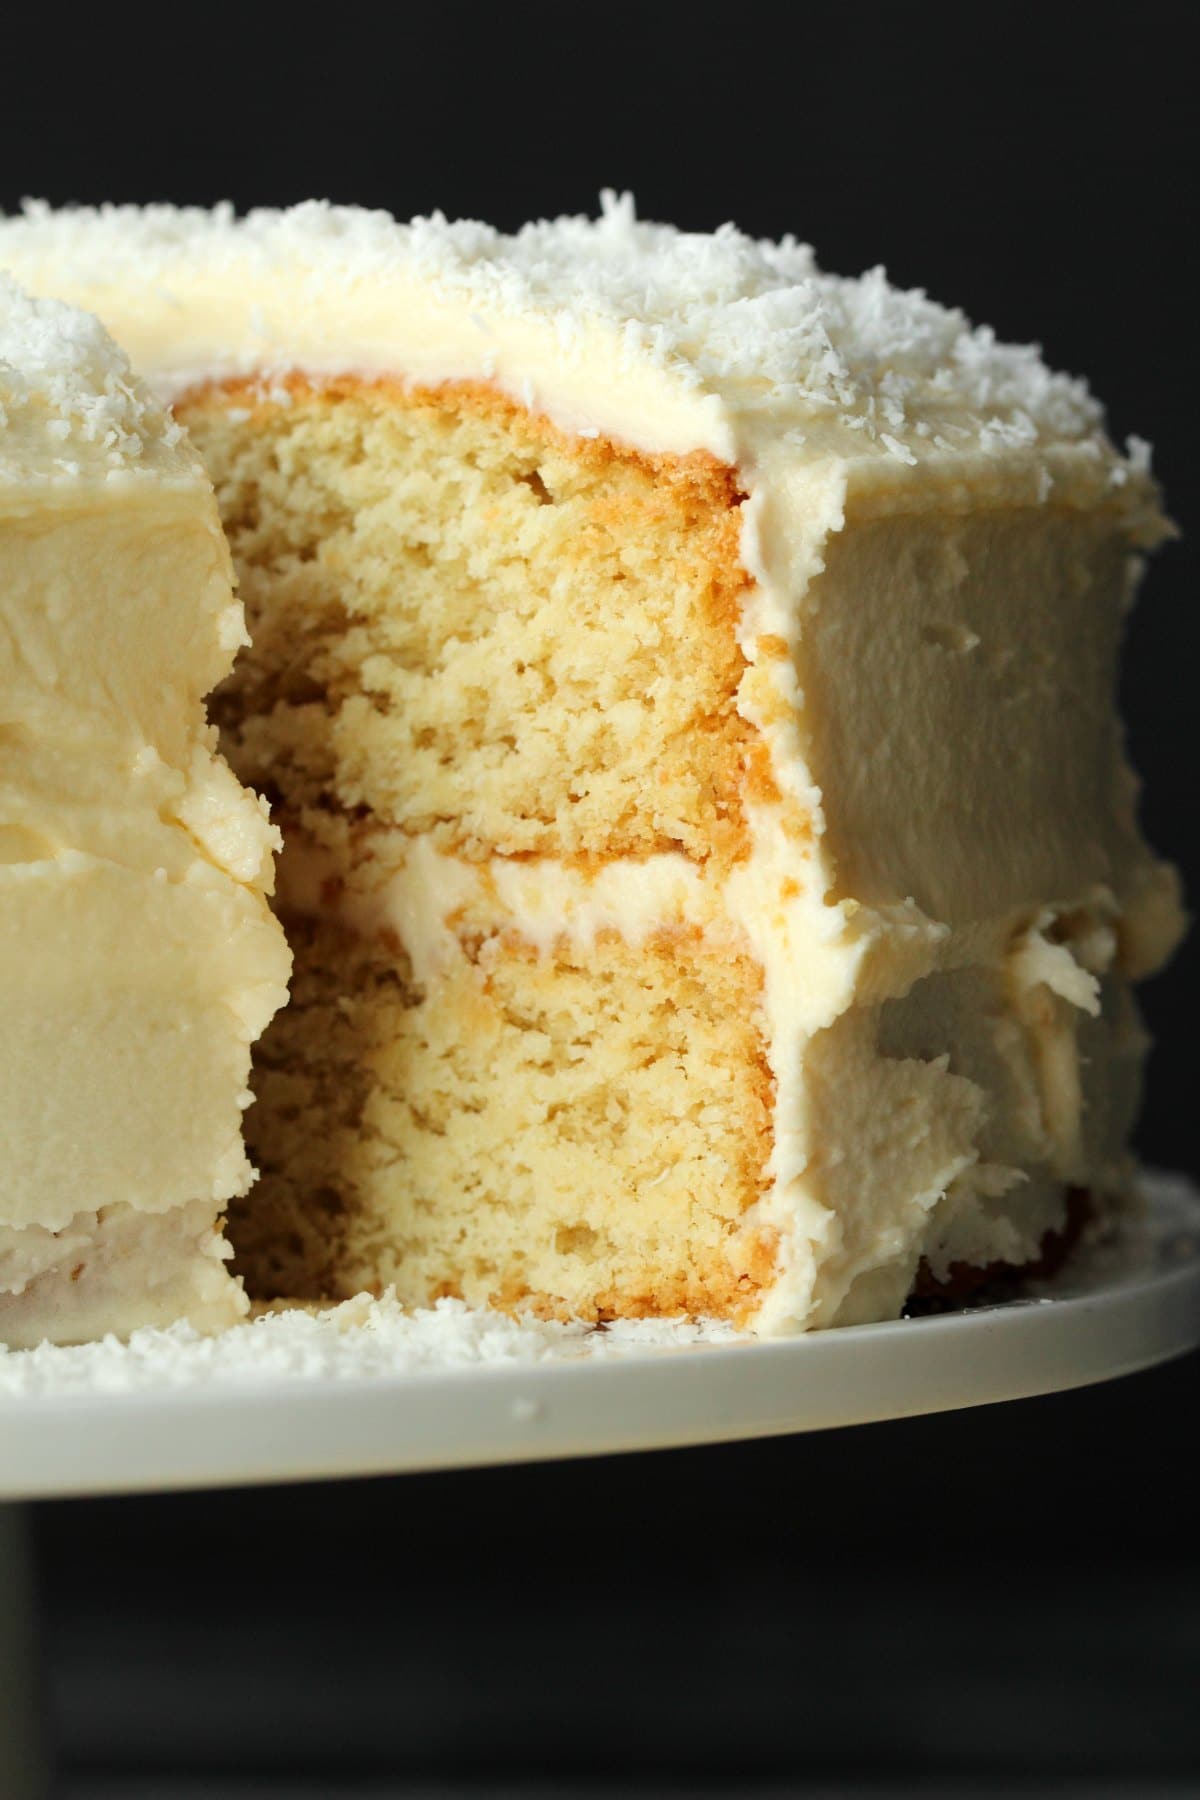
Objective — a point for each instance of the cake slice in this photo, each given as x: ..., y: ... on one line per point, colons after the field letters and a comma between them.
x: 138, y: 957
x: 686, y: 683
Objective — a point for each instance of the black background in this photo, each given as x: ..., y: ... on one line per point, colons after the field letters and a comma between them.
x: 1013, y: 1593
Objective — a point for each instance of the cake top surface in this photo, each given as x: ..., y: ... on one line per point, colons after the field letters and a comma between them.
x: 864, y: 368
x: 70, y: 406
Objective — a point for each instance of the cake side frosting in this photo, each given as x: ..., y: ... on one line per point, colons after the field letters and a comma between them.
x: 138, y: 959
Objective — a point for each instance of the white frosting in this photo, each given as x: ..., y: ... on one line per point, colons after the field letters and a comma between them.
x: 116, y: 1271
x: 138, y: 958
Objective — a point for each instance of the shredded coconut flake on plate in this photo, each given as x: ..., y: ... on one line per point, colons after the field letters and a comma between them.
x: 361, y: 1338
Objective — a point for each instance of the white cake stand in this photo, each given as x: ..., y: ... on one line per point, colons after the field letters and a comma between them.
x: 1122, y: 1306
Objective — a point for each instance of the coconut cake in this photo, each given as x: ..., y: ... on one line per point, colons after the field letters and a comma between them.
x: 685, y: 682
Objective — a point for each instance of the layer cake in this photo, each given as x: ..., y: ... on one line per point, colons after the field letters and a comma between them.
x: 685, y: 682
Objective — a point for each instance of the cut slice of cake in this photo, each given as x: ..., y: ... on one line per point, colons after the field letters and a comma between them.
x: 686, y: 683
x: 138, y: 957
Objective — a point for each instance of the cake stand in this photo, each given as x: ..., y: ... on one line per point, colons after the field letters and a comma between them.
x: 1123, y: 1305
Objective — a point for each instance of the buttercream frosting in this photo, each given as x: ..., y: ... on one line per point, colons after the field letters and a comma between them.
x: 138, y: 958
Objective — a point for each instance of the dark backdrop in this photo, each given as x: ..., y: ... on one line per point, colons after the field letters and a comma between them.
x: 1013, y: 1591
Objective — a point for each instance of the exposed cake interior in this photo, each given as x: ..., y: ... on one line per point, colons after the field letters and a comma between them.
x: 476, y: 639
x: 475, y: 627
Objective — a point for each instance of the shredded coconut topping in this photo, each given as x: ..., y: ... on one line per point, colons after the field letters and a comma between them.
x: 754, y: 321
x: 361, y: 1338
x: 68, y: 396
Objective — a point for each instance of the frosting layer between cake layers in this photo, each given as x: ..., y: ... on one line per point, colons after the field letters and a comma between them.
x: 138, y: 958
x: 943, y: 886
